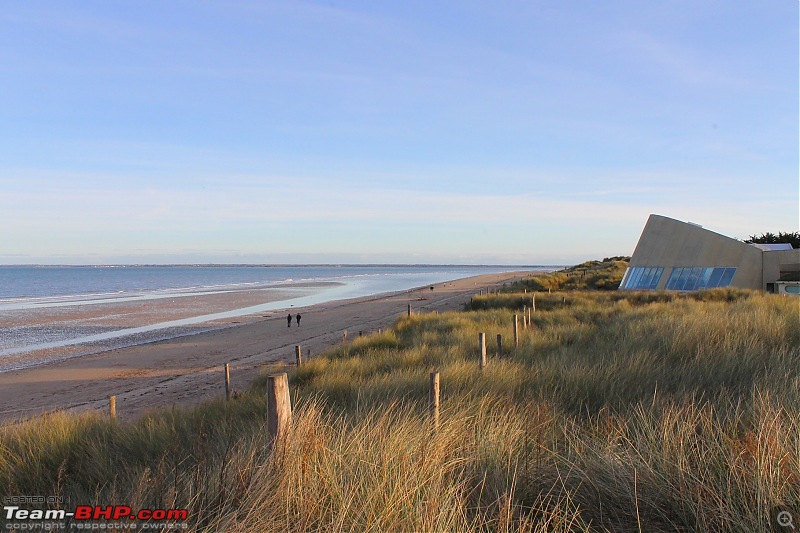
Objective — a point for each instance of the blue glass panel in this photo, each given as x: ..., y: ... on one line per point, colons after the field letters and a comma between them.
x: 691, y: 279
x: 637, y: 273
x: 622, y: 284
x: 652, y: 280
x: 713, y: 281
x: 694, y: 277
x: 702, y: 283
x: 646, y: 277
x: 633, y: 274
x: 727, y: 277
x: 673, y: 278
x: 643, y: 278
x: 629, y: 280
x: 656, y: 278
x: 682, y: 280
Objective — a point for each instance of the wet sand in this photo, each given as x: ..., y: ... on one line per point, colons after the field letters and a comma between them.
x: 188, y: 369
x: 44, y: 334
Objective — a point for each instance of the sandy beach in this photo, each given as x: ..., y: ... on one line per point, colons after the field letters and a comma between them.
x: 188, y: 368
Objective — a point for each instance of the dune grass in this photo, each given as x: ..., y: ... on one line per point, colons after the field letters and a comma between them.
x: 616, y: 412
x: 605, y: 275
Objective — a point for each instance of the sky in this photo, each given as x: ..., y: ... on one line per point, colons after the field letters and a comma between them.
x: 500, y: 132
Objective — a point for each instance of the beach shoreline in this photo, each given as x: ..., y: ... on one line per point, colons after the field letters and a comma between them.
x: 186, y: 369
x: 76, y: 330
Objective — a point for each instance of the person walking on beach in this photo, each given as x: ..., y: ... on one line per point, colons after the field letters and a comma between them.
x: 298, y: 319
x: 289, y: 320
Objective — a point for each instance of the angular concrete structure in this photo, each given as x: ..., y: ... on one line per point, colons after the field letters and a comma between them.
x: 677, y: 255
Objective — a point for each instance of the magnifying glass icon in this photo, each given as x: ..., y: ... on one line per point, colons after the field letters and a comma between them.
x: 785, y: 519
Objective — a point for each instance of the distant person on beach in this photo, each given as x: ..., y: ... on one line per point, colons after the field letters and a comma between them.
x: 289, y: 320
x: 298, y: 319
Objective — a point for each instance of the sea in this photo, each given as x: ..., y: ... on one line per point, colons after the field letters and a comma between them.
x: 32, y: 298
x: 26, y: 286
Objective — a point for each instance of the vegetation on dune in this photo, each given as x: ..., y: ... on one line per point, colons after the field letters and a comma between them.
x: 617, y: 412
x: 591, y: 275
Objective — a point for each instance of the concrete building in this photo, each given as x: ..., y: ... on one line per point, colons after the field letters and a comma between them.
x: 675, y: 255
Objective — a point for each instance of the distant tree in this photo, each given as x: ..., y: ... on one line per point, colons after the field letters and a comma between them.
x: 770, y: 238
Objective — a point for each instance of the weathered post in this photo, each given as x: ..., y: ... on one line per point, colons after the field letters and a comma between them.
x: 112, y: 407
x: 516, y: 331
x: 298, y: 355
x: 279, y: 406
x: 482, y: 342
x: 227, y: 382
x: 433, y: 399
x: 409, y: 309
x: 533, y: 302
x: 499, y: 345
x: 344, y: 337
x: 524, y: 317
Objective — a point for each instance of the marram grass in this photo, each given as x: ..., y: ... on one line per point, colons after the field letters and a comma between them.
x: 616, y: 412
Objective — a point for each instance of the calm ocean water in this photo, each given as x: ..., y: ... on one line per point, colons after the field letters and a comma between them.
x: 41, y: 284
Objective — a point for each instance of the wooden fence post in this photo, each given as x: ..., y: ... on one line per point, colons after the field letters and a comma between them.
x: 524, y: 317
x: 482, y: 341
x: 409, y: 309
x: 298, y: 355
x: 499, y: 345
x: 344, y: 337
x: 279, y: 406
x: 533, y: 302
x: 112, y: 407
x: 433, y: 399
x: 516, y: 331
x: 227, y: 382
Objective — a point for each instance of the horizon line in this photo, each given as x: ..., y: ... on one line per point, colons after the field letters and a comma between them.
x: 273, y: 265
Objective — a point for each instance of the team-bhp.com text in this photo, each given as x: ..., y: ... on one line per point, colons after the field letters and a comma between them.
x: 87, y: 517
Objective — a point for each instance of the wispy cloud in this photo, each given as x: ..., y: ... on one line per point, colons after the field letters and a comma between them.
x: 677, y: 62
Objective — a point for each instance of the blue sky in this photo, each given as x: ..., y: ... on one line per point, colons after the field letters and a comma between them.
x: 470, y: 132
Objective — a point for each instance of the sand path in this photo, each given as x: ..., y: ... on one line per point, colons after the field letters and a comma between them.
x: 188, y: 369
